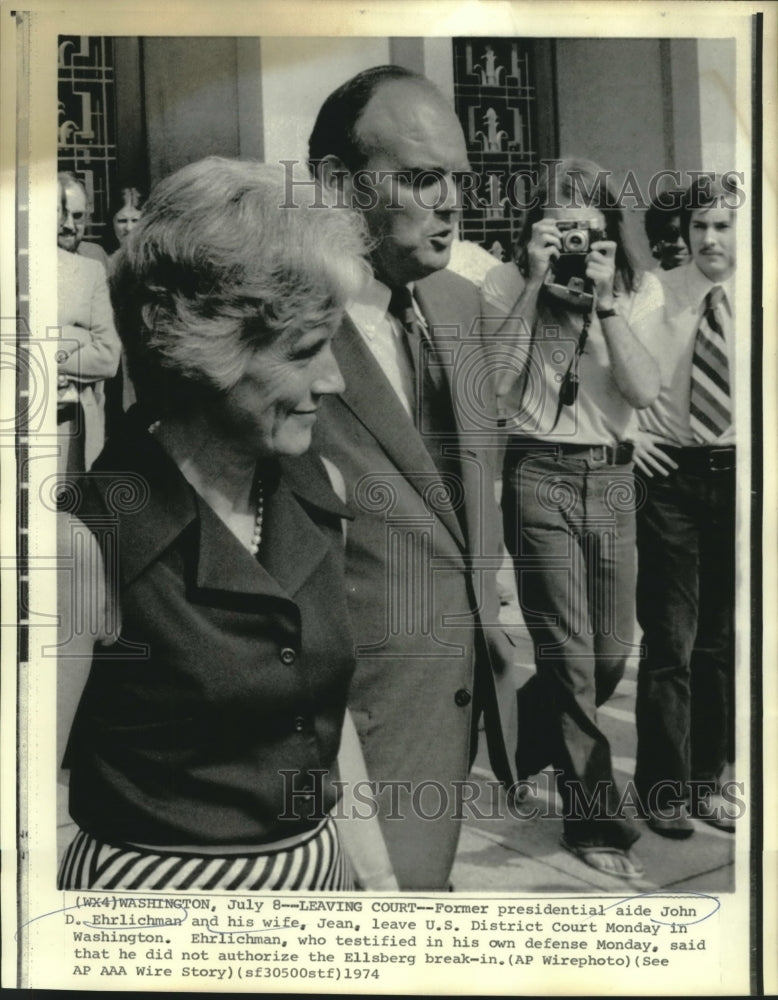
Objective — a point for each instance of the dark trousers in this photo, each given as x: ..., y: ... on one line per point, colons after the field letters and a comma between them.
x: 570, y: 527
x: 685, y: 605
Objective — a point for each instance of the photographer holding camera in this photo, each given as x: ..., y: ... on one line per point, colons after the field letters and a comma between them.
x: 573, y: 324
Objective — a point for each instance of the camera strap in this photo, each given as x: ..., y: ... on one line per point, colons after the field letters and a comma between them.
x: 568, y: 389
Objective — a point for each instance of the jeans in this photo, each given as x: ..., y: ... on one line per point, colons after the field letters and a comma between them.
x: 570, y: 527
x: 685, y: 603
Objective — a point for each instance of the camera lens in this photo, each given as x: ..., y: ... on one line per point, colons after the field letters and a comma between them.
x: 575, y: 241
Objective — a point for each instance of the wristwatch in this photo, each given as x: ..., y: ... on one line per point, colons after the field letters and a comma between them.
x: 606, y: 313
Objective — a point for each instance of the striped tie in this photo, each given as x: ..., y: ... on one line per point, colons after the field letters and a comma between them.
x: 710, y: 408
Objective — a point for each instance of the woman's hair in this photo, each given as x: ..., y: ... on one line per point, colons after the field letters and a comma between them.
x: 127, y: 197
x: 218, y: 267
x: 662, y: 208
x: 575, y: 182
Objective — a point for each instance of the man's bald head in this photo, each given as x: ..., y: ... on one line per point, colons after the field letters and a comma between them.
x: 335, y: 130
x: 394, y: 156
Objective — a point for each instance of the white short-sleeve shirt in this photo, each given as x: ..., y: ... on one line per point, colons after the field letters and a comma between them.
x: 600, y: 415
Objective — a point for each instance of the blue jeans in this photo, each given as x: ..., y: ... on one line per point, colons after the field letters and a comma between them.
x: 570, y: 527
x: 686, y: 597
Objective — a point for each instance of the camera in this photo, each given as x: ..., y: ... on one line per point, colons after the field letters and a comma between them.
x: 566, y: 278
x: 577, y: 237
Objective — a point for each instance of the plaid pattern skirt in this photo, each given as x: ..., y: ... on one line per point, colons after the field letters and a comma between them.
x: 315, y: 861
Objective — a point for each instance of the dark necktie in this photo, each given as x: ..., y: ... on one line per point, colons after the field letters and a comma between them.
x: 432, y: 408
x: 432, y: 411
x: 710, y: 404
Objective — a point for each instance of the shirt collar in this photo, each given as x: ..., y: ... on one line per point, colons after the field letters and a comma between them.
x: 368, y: 309
x: 699, y: 285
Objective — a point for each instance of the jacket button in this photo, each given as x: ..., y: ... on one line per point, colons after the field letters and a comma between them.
x: 60, y: 357
x: 299, y: 724
x: 462, y: 697
x: 288, y: 656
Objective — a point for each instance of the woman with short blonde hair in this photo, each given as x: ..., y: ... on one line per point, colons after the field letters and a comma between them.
x: 203, y: 751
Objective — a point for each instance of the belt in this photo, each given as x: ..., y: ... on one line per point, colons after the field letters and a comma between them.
x: 594, y: 454
x: 700, y: 461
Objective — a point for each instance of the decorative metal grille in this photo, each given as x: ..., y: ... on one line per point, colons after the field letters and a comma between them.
x: 86, y: 128
x: 495, y: 95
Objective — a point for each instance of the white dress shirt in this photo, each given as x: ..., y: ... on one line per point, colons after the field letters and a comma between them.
x: 685, y: 288
x: 384, y: 336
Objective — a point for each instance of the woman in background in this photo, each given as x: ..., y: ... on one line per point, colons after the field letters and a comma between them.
x: 124, y: 214
x: 663, y: 230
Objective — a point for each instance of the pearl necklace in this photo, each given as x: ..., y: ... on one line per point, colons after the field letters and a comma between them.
x: 259, y: 516
x: 256, y: 538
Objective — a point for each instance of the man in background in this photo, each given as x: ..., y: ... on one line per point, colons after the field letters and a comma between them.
x: 73, y: 219
x: 685, y: 457
x: 89, y: 348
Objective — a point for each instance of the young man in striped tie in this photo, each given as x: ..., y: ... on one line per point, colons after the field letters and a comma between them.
x: 685, y: 458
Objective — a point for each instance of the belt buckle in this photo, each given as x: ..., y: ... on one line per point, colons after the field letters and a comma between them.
x: 726, y: 459
x: 602, y: 458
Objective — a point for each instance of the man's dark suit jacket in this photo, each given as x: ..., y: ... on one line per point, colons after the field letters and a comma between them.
x: 431, y: 657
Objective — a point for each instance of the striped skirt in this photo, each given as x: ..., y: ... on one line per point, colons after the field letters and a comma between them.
x: 314, y: 862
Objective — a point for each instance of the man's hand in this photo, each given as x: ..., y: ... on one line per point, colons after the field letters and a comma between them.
x: 649, y: 457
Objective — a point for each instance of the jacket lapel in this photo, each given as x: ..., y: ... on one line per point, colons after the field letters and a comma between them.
x: 371, y: 398
x: 438, y: 296
x: 225, y: 565
x: 295, y: 545
x: 292, y: 546
x: 167, y: 507
x: 444, y: 294
x: 445, y: 336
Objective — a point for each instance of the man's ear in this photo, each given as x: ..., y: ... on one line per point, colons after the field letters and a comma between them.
x: 335, y: 180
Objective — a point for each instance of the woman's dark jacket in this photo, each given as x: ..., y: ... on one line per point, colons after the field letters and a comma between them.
x: 225, y: 694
